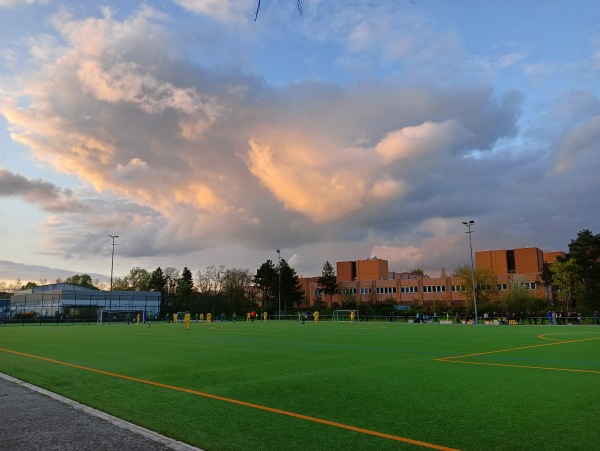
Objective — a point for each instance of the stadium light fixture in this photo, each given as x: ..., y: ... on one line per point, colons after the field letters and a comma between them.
x: 112, y: 264
x: 279, y: 271
x: 468, y: 224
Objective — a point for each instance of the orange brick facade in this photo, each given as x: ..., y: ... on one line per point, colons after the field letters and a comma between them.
x: 369, y: 281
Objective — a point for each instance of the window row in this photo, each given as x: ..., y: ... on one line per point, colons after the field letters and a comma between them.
x: 434, y: 288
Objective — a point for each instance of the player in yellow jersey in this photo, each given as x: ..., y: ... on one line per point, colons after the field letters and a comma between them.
x: 208, y: 318
x: 351, y: 316
x: 265, y: 315
x: 186, y: 321
x: 175, y: 318
x: 248, y: 316
x: 316, y: 317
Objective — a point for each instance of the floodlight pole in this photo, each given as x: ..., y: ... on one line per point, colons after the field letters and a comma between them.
x: 279, y: 271
x: 468, y: 224
x: 112, y: 264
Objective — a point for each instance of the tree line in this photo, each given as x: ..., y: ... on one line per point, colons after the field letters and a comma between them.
x: 214, y: 289
x: 573, y: 281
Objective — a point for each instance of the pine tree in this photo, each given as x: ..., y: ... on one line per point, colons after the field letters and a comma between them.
x: 327, y: 283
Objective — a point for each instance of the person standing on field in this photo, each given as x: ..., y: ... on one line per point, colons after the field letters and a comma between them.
x: 316, y: 317
x: 351, y: 316
x: 186, y: 321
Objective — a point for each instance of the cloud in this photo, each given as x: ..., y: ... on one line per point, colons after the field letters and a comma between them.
x: 220, y: 9
x: 179, y: 155
x: 208, y: 155
x: 13, y: 3
x: 11, y: 272
x: 579, y: 146
x: 47, y: 196
x: 417, y: 141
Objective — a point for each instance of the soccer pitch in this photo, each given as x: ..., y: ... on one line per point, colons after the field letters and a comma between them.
x: 280, y: 385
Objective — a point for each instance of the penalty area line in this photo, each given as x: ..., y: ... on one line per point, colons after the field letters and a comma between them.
x: 458, y: 358
x: 237, y: 402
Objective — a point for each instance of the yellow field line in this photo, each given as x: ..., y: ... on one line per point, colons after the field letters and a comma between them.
x: 238, y: 402
x: 454, y: 359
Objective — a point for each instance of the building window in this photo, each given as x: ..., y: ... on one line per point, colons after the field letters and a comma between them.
x: 408, y: 289
x: 459, y: 288
x: 502, y: 286
x: 348, y: 290
x: 434, y: 288
x: 366, y: 291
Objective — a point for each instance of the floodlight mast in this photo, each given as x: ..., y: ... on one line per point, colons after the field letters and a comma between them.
x: 112, y: 264
x: 468, y: 224
x: 279, y: 271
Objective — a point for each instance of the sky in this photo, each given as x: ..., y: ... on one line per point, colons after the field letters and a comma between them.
x: 201, y: 136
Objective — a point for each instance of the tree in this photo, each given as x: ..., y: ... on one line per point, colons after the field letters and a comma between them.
x: 566, y: 279
x: 291, y: 289
x: 418, y: 272
x: 327, y: 283
x: 184, y: 289
x: 585, y: 253
x: 235, y: 283
x: 484, y: 286
x: 266, y: 281
x: 29, y: 286
x: 210, y: 280
x: 83, y: 280
x: 138, y: 279
x: 120, y: 284
x: 517, y: 298
x: 158, y: 282
x: 171, y: 280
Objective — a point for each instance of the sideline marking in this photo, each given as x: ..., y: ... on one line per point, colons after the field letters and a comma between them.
x: 454, y: 359
x: 238, y: 402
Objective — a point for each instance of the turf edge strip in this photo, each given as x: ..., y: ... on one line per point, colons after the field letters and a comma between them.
x: 238, y: 402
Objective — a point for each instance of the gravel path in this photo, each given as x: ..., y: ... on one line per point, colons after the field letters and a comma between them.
x: 32, y: 418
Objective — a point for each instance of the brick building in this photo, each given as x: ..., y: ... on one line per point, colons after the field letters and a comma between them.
x: 369, y: 281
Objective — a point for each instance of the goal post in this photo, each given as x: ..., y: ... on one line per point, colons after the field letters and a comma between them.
x: 344, y: 316
x: 118, y: 316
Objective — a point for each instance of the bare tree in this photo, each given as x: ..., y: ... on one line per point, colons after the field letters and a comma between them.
x: 210, y: 280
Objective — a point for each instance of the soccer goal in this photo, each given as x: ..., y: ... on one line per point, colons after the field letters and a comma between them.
x: 340, y: 316
x: 118, y: 316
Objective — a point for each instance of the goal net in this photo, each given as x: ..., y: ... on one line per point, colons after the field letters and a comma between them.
x: 119, y: 316
x: 344, y: 315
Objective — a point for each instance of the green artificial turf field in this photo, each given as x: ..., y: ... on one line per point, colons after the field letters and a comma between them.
x: 280, y: 385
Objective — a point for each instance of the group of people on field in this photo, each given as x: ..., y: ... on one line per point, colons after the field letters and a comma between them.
x: 545, y: 317
x: 303, y: 317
